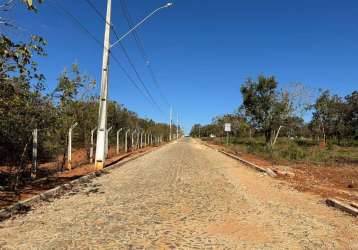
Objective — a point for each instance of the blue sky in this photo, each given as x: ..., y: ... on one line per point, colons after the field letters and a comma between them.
x: 202, y: 51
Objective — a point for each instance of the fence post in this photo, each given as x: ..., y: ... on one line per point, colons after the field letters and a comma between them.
x: 137, y: 140
x: 126, y: 141
x: 106, y: 148
x: 69, y: 149
x: 92, y: 144
x: 34, y: 153
x: 118, y: 131
x: 132, y: 144
x: 141, y: 140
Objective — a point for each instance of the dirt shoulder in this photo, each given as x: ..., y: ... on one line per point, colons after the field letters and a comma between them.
x: 340, y: 181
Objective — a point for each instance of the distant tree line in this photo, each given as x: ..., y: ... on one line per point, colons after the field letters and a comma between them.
x: 271, y: 112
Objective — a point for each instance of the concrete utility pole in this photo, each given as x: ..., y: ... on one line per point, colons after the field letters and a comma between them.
x: 126, y: 141
x: 118, y: 131
x: 69, y: 148
x: 92, y: 144
x: 170, y: 123
x: 102, y: 120
x: 34, y: 153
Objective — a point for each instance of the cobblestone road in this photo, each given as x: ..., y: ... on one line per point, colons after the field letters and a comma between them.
x: 182, y: 196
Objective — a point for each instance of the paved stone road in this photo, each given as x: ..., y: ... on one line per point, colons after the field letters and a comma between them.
x: 183, y: 196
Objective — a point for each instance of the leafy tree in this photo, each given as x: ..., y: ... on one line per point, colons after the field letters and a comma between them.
x: 351, y: 118
x: 329, y: 115
x: 264, y: 107
x: 22, y: 104
x: 73, y: 104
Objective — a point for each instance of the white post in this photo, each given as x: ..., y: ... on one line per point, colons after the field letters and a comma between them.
x: 69, y: 148
x: 177, y: 126
x: 102, y: 119
x: 132, y: 144
x: 141, y: 140
x: 170, y: 124
x: 126, y: 141
x: 118, y: 131
x: 107, y: 132
x: 137, y: 140
x: 145, y: 140
x: 92, y: 144
x: 34, y: 153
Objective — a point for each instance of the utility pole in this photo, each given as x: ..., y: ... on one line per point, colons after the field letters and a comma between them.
x: 170, y: 123
x: 102, y: 120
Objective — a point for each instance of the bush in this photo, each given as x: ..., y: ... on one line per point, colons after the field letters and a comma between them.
x: 306, y: 142
x: 293, y: 152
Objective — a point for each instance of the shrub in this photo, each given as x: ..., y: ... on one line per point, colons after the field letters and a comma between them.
x: 293, y: 152
x: 306, y: 142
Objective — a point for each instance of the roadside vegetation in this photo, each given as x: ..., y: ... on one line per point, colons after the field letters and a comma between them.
x: 270, y: 124
x: 26, y: 104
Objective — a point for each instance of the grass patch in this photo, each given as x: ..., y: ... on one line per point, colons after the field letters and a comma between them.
x: 296, y: 151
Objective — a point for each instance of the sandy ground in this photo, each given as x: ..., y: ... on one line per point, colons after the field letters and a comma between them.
x: 182, y: 196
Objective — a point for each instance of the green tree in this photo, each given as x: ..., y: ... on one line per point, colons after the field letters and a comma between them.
x: 329, y: 116
x: 351, y: 118
x: 22, y: 104
x: 264, y: 107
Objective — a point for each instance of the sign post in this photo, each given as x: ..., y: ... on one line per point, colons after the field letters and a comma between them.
x: 227, y: 129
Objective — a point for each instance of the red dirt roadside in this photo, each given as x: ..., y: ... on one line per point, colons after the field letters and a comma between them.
x: 327, y: 181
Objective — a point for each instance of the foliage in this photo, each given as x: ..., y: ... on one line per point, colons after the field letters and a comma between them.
x: 263, y: 106
x: 25, y: 106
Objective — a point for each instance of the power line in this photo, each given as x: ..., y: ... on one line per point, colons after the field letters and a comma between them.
x: 85, y: 30
x: 141, y: 49
x: 127, y: 57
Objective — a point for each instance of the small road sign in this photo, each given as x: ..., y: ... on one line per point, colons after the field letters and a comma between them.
x: 227, y: 127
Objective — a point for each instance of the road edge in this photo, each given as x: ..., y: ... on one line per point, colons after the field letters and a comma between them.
x: 25, y: 205
x: 268, y: 171
x: 330, y: 202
